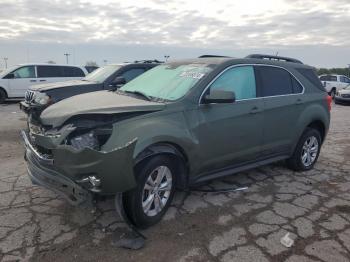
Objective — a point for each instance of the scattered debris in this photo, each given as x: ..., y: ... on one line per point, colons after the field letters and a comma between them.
x: 287, y: 241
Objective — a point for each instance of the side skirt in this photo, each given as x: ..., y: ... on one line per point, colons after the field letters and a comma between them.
x: 235, y: 169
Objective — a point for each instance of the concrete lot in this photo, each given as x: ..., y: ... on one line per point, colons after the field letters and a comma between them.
x: 242, y: 226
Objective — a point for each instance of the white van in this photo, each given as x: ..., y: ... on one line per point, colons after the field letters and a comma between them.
x: 15, y: 81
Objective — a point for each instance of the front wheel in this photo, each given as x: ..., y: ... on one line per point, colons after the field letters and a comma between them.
x: 2, y: 96
x: 147, y: 203
x: 307, y: 151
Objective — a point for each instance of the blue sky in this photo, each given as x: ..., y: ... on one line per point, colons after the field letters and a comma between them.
x: 315, y: 31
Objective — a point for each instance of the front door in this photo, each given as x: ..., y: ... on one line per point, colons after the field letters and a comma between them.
x: 230, y: 134
x: 24, y: 77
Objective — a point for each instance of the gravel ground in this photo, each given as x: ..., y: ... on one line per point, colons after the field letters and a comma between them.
x: 242, y: 226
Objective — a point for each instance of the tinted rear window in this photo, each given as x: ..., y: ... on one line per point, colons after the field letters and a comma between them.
x: 310, y: 75
x: 70, y: 71
x: 274, y: 81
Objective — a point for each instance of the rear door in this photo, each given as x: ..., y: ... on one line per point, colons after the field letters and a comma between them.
x: 49, y: 73
x: 230, y: 134
x: 283, y: 103
x: 23, y: 78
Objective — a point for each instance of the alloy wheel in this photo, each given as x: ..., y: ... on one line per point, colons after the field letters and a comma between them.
x: 309, y: 151
x: 156, y: 191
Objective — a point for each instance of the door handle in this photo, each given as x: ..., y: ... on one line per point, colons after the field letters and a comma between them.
x: 32, y: 80
x: 299, y: 101
x: 254, y: 110
x: 42, y: 80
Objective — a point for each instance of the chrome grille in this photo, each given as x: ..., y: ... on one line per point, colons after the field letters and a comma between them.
x: 346, y: 95
x: 29, y: 96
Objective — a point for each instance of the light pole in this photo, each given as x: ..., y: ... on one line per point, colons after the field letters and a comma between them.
x: 5, y: 60
x: 66, y: 54
x: 166, y: 57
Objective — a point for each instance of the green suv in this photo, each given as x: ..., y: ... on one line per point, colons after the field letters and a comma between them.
x: 179, y: 124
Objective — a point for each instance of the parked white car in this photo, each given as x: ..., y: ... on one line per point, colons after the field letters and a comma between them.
x: 15, y: 81
x: 333, y: 83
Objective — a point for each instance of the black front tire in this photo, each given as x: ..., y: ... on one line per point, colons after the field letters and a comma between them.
x: 295, y: 161
x: 132, y: 200
x: 3, y: 96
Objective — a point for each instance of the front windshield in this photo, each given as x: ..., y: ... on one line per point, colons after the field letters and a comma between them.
x: 102, y: 73
x: 169, y: 81
x: 8, y: 70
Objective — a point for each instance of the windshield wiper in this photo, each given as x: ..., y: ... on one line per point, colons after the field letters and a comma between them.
x: 139, y: 93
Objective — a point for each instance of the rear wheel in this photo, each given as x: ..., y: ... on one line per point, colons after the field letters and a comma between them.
x: 3, y: 96
x: 147, y: 203
x: 307, y: 151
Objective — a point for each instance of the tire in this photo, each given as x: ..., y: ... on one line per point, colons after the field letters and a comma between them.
x: 332, y: 93
x: 298, y: 162
x: 3, y: 96
x: 134, y: 200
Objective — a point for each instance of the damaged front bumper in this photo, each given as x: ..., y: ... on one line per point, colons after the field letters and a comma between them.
x: 68, y: 172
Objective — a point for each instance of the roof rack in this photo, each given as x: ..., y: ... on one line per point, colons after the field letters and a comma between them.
x: 208, y: 56
x: 273, y: 57
x: 148, y: 61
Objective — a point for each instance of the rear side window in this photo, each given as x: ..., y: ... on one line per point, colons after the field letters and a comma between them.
x: 274, y: 81
x: 311, y: 76
x: 297, y: 87
x: 71, y: 71
x: 240, y: 80
x: 132, y: 73
x: 50, y: 71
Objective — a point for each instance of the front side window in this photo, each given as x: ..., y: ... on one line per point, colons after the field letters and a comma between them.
x: 25, y: 72
x: 240, y: 80
x: 170, y: 81
x: 274, y: 81
x: 50, y: 71
x: 132, y: 73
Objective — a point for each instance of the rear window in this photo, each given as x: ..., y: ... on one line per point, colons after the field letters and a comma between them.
x: 70, y: 71
x: 311, y: 76
x: 274, y: 81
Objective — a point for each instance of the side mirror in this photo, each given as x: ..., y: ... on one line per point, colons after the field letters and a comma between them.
x: 118, y: 81
x: 10, y: 76
x: 220, y: 96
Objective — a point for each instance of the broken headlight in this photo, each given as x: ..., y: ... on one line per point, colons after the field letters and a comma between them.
x: 93, y: 139
x: 41, y: 98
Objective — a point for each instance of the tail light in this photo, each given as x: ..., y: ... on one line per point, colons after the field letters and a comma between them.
x: 329, y: 102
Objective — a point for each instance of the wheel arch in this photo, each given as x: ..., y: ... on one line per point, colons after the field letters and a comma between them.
x: 3, y: 89
x: 320, y: 126
x: 173, y: 150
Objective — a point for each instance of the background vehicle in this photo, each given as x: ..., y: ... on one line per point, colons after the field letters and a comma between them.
x: 15, y: 81
x: 333, y: 83
x: 108, y: 77
x: 90, y: 68
x: 177, y: 125
x: 342, y: 96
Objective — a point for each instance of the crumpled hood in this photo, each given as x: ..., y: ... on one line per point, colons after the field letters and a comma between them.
x: 100, y: 102
x: 50, y: 86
